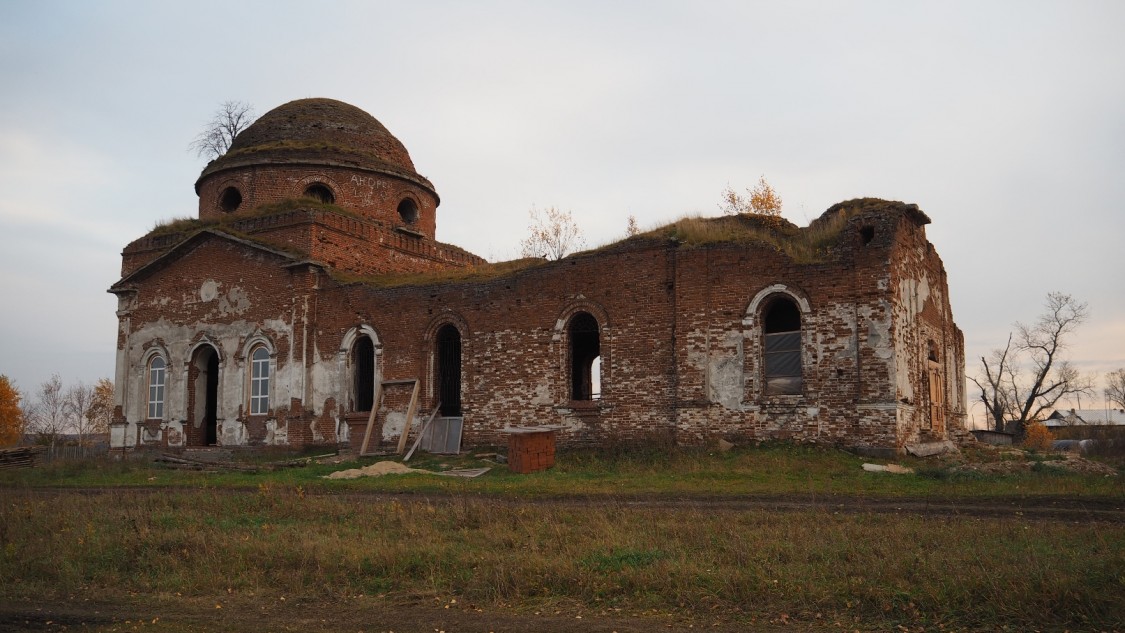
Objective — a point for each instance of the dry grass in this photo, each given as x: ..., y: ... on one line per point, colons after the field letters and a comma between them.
x: 480, y: 273
x: 813, y: 566
x: 190, y: 225
x: 811, y: 244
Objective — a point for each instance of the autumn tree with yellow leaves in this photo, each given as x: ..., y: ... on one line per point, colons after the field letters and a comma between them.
x: 760, y: 200
x: 12, y: 421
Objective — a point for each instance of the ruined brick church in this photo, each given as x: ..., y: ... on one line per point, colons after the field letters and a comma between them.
x: 311, y: 289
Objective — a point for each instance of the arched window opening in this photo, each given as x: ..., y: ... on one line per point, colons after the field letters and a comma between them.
x: 320, y: 192
x: 156, y: 377
x: 408, y: 210
x: 596, y: 378
x: 230, y: 199
x: 363, y: 355
x: 260, y: 381
x: 782, y: 348
x: 585, y: 348
x: 449, y: 370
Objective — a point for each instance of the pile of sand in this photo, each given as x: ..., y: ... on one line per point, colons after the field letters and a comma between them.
x: 377, y: 469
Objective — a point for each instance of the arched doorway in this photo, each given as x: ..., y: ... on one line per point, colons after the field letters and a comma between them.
x: 936, y: 392
x: 449, y: 370
x: 204, y: 397
x: 363, y: 359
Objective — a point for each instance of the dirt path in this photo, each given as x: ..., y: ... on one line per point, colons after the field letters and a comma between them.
x: 1041, y: 508
x: 241, y: 614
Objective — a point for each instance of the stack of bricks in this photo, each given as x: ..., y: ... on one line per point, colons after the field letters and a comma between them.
x: 530, y: 450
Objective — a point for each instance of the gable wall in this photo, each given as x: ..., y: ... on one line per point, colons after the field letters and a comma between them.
x: 220, y: 293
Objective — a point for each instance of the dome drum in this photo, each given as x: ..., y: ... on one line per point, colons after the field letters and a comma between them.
x: 324, y: 150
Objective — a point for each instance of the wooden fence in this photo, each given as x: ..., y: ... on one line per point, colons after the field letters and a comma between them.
x: 29, y: 456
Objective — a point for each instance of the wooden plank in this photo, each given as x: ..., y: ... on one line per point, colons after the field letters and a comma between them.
x: 371, y: 420
x: 422, y: 432
x: 464, y: 472
x: 409, y: 418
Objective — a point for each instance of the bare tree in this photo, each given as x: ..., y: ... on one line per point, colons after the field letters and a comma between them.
x: 760, y: 200
x: 231, y: 118
x: 631, y: 227
x: 1010, y: 391
x: 993, y: 385
x: 47, y: 415
x: 79, y: 399
x: 553, y: 234
x: 1115, y: 387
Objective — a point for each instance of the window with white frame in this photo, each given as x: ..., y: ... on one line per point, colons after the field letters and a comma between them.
x: 157, y: 372
x: 260, y: 381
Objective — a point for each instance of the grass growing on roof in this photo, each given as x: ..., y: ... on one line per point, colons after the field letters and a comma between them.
x: 478, y: 273
x: 189, y: 225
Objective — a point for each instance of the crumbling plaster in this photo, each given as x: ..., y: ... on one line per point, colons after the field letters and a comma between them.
x: 177, y: 343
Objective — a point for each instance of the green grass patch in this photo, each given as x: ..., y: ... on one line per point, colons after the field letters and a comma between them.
x: 869, y: 570
x: 769, y: 469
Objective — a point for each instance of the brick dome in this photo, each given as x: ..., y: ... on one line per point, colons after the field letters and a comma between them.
x: 318, y: 132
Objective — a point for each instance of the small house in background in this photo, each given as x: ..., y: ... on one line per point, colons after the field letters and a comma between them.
x: 1085, y: 417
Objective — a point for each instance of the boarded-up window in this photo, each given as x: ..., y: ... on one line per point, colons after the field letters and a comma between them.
x: 781, y: 357
x: 936, y: 391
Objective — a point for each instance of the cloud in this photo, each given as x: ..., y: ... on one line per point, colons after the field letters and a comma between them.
x: 50, y: 183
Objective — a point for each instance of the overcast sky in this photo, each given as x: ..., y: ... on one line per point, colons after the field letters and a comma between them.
x: 1003, y: 121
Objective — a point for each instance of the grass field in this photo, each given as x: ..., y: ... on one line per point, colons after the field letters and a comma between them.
x: 523, y: 545
x: 768, y: 469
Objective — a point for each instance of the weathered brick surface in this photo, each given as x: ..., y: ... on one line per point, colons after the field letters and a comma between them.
x: 680, y: 332
x: 531, y: 452
x: 367, y: 194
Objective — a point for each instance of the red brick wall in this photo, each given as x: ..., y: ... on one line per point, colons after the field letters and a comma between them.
x: 357, y: 246
x: 681, y: 354
x: 368, y: 194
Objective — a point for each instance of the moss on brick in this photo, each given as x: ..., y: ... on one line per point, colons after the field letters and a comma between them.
x: 481, y: 272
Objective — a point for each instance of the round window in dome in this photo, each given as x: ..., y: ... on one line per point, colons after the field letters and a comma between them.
x: 320, y: 192
x: 408, y: 211
x: 230, y: 199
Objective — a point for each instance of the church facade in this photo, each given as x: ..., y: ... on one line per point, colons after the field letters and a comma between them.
x: 311, y: 289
